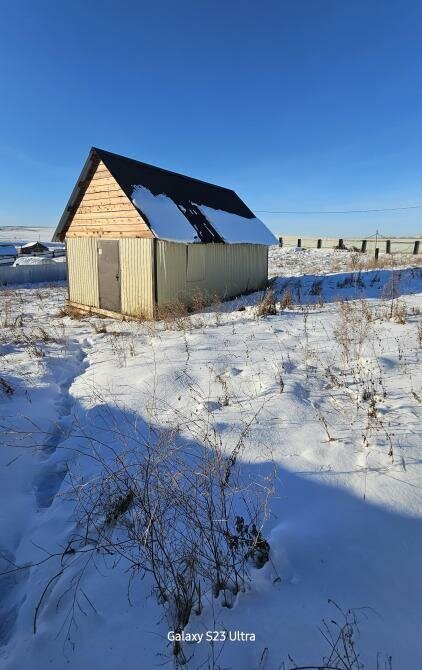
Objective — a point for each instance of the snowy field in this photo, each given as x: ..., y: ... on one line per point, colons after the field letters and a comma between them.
x: 25, y: 234
x: 314, y: 410
x: 398, y: 244
x: 289, y: 261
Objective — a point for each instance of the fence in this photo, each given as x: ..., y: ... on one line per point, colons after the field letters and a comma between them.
x: 32, y: 274
x: 404, y: 245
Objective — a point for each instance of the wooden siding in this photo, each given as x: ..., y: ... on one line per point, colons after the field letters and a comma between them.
x: 136, y: 276
x: 106, y: 211
x: 225, y: 270
x: 82, y: 267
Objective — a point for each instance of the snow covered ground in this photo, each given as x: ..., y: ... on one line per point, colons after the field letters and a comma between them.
x: 287, y: 261
x: 25, y: 234
x: 326, y: 395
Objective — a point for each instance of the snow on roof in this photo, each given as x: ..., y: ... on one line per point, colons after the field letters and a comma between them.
x: 165, y: 218
x: 168, y: 222
x: 7, y: 250
x: 180, y: 189
x: 33, y: 260
x: 234, y: 228
x: 33, y: 244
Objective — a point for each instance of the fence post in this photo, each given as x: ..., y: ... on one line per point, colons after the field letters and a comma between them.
x: 416, y: 247
x: 388, y: 247
x: 299, y: 242
x: 377, y: 251
x: 319, y: 243
x: 280, y: 241
x: 363, y: 247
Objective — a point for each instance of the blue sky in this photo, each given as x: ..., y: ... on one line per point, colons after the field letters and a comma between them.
x: 297, y: 105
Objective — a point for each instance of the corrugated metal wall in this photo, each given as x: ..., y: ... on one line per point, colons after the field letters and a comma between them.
x: 82, y: 270
x: 225, y: 270
x: 136, y: 277
x: 30, y: 274
x: 171, y: 271
x: 136, y: 274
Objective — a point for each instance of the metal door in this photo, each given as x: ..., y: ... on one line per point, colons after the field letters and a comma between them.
x: 109, y: 274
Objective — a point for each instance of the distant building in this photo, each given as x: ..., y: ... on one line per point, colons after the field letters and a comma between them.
x: 139, y: 238
x: 34, y: 248
x: 8, y: 254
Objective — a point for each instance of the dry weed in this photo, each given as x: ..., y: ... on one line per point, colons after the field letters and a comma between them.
x: 286, y: 301
x: 267, y: 306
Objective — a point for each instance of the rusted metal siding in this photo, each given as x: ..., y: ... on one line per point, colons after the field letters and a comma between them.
x: 136, y: 275
x: 225, y: 270
x: 82, y: 267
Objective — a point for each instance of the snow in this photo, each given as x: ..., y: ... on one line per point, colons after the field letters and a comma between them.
x: 169, y: 223
x: 32, y: 260
x: 22, y: 234
x: 289, y: 261
x: 346, y: 516
x: 165, y: 218
x: 234, y: 228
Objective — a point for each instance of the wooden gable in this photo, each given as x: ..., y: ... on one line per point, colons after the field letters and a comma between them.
x: 104, y: 210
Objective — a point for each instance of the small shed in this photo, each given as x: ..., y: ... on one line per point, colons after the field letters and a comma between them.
x: 139, y: 238
x: 34, y: 248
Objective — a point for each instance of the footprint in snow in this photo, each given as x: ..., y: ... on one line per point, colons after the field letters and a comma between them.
x: 12, y: 594
x: 209, y: 406
x: 47, y: 483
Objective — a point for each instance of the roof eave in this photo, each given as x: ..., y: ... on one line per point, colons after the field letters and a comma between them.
x: 63, y: 224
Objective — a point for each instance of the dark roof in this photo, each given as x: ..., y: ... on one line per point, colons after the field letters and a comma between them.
x: 180, y: 188
x: 35, y: 245
x: 183, y: 190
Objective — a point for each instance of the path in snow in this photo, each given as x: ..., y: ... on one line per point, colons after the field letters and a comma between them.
x: 38, y: 412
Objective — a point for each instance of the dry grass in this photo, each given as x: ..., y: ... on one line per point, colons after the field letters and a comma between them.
x: 72, y: 312
x: 99, y: 327
x: 359, y: 261
x: 353, y: 327
x: 267, y: 306
x: 5, y: 387
x: 182, y: 314
x: 286, y: 301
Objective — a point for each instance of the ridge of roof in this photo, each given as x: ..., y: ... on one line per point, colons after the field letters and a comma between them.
x: 101, y: 152
x: 187, y: 193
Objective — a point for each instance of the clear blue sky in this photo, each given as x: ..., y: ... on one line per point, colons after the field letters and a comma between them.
x: 297, y: 105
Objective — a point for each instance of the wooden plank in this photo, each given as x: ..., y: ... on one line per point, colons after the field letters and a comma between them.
x: 102, y: 169
x: 98, y: 188
x: 106, y: 211
x: 102, y: 312
x: 112, y: 234
x: 100, y: 207
x: 105, y: 198
x: 100, y: 179
x: 81, y: 230
x: 90, y: 219
x: 103, y: 216
x: 92, y: 232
